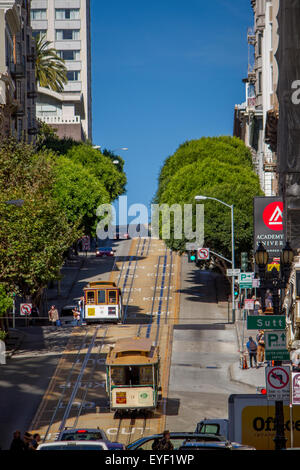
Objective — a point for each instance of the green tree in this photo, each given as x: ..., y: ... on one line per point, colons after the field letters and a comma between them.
x: 217, y: 173
x: 101, y: 167
x: 78, y: 193
x: 224, y: 149
x: 50, y: 69
x: 6, y: 304
x: 34, y: 237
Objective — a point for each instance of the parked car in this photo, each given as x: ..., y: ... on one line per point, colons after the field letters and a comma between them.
x: 177, y: 439
x: 74, y: 445
x: 105, y: 251
x: 67, y: 310
x: 89, y: 434
x: 206, y: 446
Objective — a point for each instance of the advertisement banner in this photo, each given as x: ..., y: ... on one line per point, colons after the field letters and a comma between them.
x: 268, y: 225
x: 258, y: 426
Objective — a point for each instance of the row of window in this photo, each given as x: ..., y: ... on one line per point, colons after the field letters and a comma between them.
x: 60, y: 34
x: 60, y: 14
x: 101, y: 297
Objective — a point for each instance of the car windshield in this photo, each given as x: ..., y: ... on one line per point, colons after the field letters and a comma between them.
x: 82, y: 436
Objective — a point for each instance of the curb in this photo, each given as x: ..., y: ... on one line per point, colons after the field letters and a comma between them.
x: 240, y: 382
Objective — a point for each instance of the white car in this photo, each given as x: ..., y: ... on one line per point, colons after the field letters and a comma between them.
x: 73, y: 445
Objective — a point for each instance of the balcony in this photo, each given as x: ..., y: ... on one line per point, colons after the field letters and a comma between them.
x: 31, y: 94
x: 19, y: 110
x: 31, y: 58
x: 17, y: 70
x: 32, y: 130
x: 60, y: 119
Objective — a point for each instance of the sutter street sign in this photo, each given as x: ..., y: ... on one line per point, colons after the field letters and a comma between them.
x: 266, y: 322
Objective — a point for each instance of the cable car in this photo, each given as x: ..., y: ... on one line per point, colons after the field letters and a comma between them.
x: 103, y: 302
x: 132, y: 375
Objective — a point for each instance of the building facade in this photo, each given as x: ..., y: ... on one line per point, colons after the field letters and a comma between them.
x: 255, y: 120
x: 66, y: 23
x: 17, y: 71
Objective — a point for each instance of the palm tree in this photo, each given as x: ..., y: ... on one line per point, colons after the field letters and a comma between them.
x: 50, y: 69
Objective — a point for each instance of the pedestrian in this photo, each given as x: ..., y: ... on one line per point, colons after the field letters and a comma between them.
x: 76, y: 316
x: 35, y: 313
x: 269, y: 299
x: 81, y: 309
x: 28, y: 438
x: 35, y: 442
x: 260, y: 338
x: 296, y: 361
x: 17, y: 443
x: 53, y: 315
x: 257, y: 306
x: 164, y: 444
x: 252, y: 350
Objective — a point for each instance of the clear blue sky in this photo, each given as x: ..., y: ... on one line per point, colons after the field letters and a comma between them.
x: 165, y: 71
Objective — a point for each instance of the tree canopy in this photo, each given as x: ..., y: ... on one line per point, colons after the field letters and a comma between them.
x: 101, y: 166
x: 217, y: 167
x: 34, y: 237
x: 78, y: 193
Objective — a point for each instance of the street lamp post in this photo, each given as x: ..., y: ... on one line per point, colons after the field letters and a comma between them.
x: 275, y: 283
x: 231, y: 207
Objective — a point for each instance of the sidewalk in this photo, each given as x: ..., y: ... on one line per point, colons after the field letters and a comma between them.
x: 75, y: 273
x: 254, y: 377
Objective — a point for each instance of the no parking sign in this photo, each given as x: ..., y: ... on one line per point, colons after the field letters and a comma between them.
x: 278, y: 383
x: 203, y: 254
x: 25, y: 310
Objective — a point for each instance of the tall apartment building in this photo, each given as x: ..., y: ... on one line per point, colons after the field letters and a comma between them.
x: 255, y: 120
x: 17, y: 73
x: 66, y: 23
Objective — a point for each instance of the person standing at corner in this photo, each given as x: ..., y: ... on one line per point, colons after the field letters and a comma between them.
x: 53, y: 315
x: 260, y: 338
x: 252, y: 350
x: 17, y: 443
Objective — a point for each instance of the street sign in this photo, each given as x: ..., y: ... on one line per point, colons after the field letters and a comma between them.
x: 203, y: 254
x: 296, y: 388
x: 245, y: 280
x: 268, y: 225
x: 249, y: 304
x: 278, y: 383
x: 233, y: 272
x: 277, y: 355
x: 266, y: 322
x: 191, y: 246
x: 275, y: 346
x: 255, y: 283
x: 25, y: 310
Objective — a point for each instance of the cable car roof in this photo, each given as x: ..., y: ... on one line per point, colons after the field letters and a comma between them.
x: 133, y: 351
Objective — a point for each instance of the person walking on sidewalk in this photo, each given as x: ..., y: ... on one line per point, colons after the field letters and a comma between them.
x: 252, y: 350
x: 260, y: 338
x: 53, y: 315
x: 17, y: 443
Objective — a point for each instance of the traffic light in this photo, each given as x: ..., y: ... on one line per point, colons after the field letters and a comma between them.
x: 244, y: 261
x: 236, y: 291
x: 192, y: 256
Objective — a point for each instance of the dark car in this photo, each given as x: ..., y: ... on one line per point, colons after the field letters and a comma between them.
x: 104, y: 251
x: 177, y: 439
x: 88, y: 434
x: 67, y: 310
